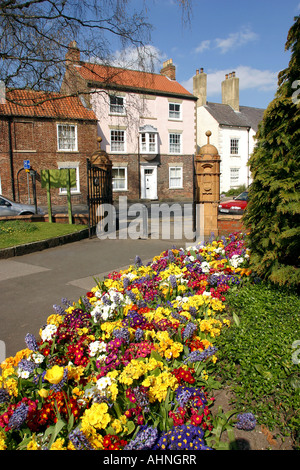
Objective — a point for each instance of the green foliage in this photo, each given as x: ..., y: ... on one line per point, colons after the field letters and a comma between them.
x: 235, y: 191
x: 17, y: 232
x: 257, y: 355
x: 273, y: 212
x: 16, y: 226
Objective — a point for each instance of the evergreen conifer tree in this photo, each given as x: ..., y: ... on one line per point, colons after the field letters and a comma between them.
x: 273, y: 211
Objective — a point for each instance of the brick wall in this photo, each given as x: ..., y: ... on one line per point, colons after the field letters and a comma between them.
x: 36, y: 140
x: 131, y: 162
x: 229, y: 224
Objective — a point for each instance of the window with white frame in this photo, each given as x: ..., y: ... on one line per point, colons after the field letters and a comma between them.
x: 234, y: 177
x: 70, y: 165
x: 175, y: 177
x: 174, y: 143
x: 234, y: 146
x: 117, y: 140
x: 119, y: 178
x: 67, y: 137
x: 174, y: 111
x: 148, y: 139
x: 116, y: 104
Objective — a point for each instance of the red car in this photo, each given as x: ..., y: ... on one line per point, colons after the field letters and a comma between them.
x: 237, y: 205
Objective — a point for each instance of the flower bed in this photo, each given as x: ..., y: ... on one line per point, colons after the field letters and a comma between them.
x: 131, y: 364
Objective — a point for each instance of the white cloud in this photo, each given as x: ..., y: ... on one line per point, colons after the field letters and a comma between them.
x: 234, y: 40
x: 203, y: 46
x: 249, y: 78
x: 148, y: 58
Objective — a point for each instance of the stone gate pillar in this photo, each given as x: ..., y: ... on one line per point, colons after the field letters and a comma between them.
x: 207, y: 170
x: 99, y: 188
x: 100, y: 159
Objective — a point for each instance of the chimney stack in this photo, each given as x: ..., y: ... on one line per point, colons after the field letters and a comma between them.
x: 230, y: 91
x: 2, y: 92
x: 200, y: 87
x: 73, y: 54
x: 169, y: 69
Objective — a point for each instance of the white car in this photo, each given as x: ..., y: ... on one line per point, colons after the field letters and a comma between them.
x: 8, y: 207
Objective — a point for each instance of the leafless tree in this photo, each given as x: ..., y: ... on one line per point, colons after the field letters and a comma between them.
x: 35, y: 35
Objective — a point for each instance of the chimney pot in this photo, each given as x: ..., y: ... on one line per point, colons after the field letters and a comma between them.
x: 197, y: 72
x: 201, y: 70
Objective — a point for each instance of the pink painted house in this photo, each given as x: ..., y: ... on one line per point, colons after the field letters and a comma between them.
x: 147, y: 122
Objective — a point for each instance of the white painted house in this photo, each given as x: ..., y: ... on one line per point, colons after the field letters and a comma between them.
x: 233, y: 129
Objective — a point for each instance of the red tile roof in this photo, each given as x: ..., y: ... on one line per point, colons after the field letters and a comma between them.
x: 42, y: 104
x: 143, y: 81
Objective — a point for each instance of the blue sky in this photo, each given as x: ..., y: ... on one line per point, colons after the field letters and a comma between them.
x: 247, y: 37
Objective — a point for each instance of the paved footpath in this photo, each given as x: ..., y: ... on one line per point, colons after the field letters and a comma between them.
x: 31, y: 284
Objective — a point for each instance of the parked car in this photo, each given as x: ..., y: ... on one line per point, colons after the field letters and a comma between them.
x: 237, y: 205
x: 8, y: 207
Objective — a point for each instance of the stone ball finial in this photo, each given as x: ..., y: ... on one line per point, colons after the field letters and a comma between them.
x: 208, y: 149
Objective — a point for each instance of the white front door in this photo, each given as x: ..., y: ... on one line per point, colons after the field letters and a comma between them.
x: 149, y: 182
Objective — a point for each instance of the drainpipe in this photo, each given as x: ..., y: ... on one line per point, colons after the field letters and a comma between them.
x: 11, y: 159
x: 248, y: 175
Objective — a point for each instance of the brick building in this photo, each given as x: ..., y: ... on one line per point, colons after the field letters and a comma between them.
x: 147, y: 122
x: 51, y: 131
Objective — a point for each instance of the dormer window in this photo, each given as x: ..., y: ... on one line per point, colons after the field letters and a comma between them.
x: 148, y: 139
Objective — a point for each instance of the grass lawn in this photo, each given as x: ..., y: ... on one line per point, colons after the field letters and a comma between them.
x: 17, y: 232
x: 260, y: 357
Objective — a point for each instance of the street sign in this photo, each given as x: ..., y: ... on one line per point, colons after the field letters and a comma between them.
x: 26, y: 164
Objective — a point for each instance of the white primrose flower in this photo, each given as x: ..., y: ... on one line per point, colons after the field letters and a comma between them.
x: 37, y: 358
x: 103, y: 382
x: 95, y: 347
x: 236, y: 260
x: 205, y: 267
x: 48, y: 332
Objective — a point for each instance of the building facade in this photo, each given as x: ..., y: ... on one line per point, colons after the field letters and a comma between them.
x: 48, y: 131
x: 147, y: 125
x: 233, y: 129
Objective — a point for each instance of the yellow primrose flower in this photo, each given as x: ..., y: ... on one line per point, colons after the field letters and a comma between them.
x: 11, y: 385
x: 82, y: 331
x: 54, y: 320
x: 116, y: 424
x: 96, y: 417
x: 75, y: 372
x: 112, y: 284
x: 33, y: 445
x: 58, y: 444
x: 43, y: 393
x: 69, y: 309
x: 2, y: 441
x: 55, y: 374
x: 159, y: 385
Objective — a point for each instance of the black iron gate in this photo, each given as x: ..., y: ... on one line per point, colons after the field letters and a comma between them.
x: 99, y: 192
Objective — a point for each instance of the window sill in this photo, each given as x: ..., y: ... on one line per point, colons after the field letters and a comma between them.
x: 24, y: 151
x: 181, y: 187
x: 117, y: 114
x: 72, y: 193
x: 67, y: 151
